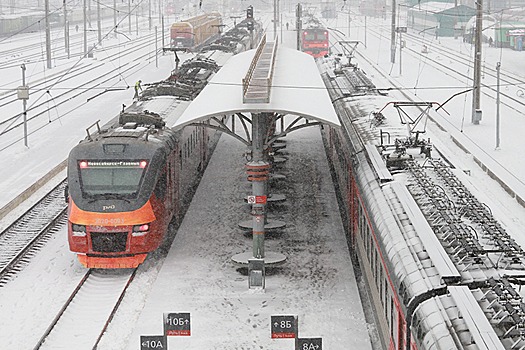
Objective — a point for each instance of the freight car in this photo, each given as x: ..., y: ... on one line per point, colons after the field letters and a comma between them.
x: 194, y: 32
x: 441, y: 272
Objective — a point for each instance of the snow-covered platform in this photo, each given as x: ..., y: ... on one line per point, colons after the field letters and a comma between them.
x: 316, y: 283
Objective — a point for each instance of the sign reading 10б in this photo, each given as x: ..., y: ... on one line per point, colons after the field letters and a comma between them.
x: 177, y: 324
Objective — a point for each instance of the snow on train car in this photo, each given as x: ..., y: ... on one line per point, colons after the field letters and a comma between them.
x: 435, y: 261
x: 129, y: 179
x: 126, y: 183
x: 314, y: 38
x: 194, y: 32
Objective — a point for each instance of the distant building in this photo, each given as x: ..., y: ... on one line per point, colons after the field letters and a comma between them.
x: 439, y: 18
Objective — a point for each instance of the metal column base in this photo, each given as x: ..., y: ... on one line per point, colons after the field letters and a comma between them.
x: 270, y: 258
x: 270, y: 224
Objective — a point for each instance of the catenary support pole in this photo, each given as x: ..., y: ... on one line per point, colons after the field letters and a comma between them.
x: 85, y: 28
x: 498, y: 67
x: 24, y: 103
x: 99, y: 25
x: 48, y: 35
x: 66, y: 23
x: 393, y: 34
x: 476, y: 98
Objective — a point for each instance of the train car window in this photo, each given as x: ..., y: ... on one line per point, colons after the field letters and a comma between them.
x: 160, y: 188
x: 381, y: 284
x: 385, y: 295
x: 392, y: 326
x: 374, y: 265
x: 377, y: 265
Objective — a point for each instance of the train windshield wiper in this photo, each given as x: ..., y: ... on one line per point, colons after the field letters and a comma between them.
x: 108, y: 195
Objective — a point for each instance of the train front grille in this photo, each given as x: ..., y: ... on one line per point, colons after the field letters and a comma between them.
x: 109, y: 242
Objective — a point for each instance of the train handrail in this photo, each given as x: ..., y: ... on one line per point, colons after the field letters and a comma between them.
x: 246, y: 80
x: 269, y: 78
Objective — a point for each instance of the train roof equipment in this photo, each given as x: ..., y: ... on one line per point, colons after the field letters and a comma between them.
x: 466, y: 261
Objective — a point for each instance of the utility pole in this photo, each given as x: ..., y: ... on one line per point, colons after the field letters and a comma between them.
x: 23, y: 94
x: 275, y: 17
x: 498, y: 67
x: 48, y: 35
x: 393, y: 34
x: 349, y: 22
x: 129, y: 17
x: 476, y: 97
x: 299, y: 24
x: 115, y: 18
x: 160, y: 14
x: 99, y: 26
x: 85, y: 29
x: 149, y: 15
x: 365, y: 30
x: 66, y: 31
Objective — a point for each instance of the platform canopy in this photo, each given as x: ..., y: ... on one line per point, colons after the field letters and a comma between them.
x: 297, y: 89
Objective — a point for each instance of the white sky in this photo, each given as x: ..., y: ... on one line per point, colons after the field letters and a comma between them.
x: 28, y: 302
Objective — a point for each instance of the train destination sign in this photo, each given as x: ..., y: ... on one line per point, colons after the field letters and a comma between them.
x: 309, y: 344
x: 150, y: 342
x: 284, y: 327
x: 177, y: 324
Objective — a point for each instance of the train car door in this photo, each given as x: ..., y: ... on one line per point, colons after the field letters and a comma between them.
x: 171, y: 183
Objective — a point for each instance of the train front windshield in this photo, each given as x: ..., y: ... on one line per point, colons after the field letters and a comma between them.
x: 121, y: 178
x: 315, y: 35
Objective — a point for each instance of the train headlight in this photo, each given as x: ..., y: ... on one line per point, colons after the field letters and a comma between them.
x: 140, y: 230
x: 78, y: 230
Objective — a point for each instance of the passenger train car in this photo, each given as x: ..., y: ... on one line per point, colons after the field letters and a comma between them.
x: 315, y: 39
x: 441, y: 271
x: 129, y: 179
x: 194, y: 32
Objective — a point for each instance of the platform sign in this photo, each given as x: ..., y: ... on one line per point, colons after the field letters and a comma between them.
x: 256, y: 199
x: 177, y: 324
x: 401, y: 29
x: 153, y: 342
x: 309, y: 344
x: 284, y: 327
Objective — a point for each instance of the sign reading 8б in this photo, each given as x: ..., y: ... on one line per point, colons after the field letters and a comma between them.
x: 284, y: 327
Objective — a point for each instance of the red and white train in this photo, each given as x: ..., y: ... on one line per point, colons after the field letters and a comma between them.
x: 441, y: 272
x: 129, y: 180
x: 315, y: 40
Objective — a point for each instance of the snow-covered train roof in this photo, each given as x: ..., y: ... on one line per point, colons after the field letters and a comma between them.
x: 436, y: 236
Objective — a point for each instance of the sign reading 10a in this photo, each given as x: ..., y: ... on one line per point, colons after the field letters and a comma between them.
x: 150, y: 342
x: 177, y: 324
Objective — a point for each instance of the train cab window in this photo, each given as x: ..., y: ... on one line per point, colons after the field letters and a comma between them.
x: 111, y: 177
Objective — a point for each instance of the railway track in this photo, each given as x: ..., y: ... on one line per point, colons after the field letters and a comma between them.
x: 25, y: 236
x: 85, y: 316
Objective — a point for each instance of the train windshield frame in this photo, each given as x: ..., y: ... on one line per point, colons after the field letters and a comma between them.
x: 310, y: 35
x: 111, y: 178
